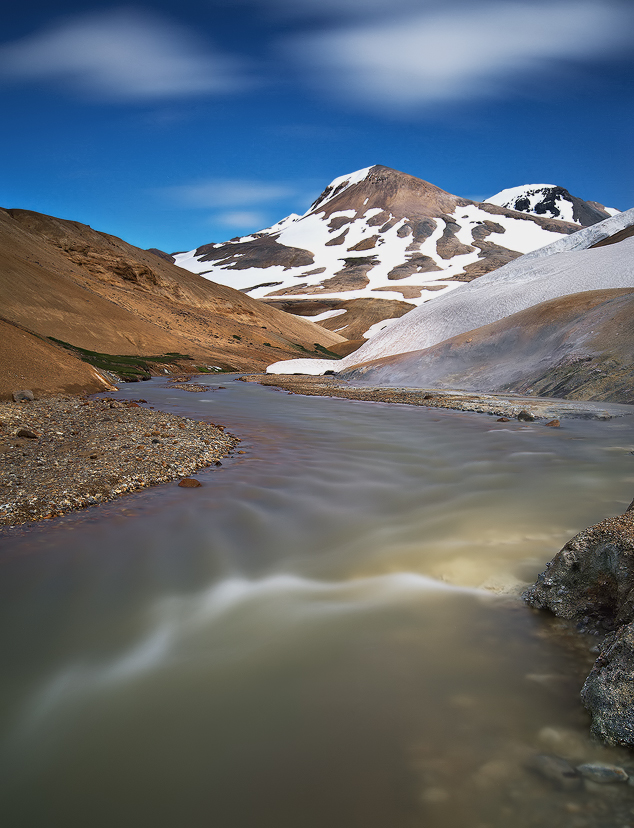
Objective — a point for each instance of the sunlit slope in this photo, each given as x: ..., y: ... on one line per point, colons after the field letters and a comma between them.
x: 63, y: 279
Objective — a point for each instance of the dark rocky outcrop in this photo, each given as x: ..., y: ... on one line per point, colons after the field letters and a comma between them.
x: 591, y: 581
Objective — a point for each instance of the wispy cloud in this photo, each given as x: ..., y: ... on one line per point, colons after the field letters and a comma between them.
x: 238, y: 204
x: 229, y: 192
x: 122, y: 55
x: 241, y: 219
x: 458, y: 51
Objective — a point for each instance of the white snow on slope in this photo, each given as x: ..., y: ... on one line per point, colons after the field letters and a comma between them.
x: 567, y: 266
x: 534, y: 194
x: 312, y: 232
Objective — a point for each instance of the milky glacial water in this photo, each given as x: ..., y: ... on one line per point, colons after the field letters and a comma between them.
x: 318, y: 636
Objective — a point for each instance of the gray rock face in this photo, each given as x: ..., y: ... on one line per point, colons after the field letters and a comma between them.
x: 591, y: 581
x: 608, y: 692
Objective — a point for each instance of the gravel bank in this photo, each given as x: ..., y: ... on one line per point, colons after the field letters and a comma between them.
x: 85, y: 452
x: 502, y: 405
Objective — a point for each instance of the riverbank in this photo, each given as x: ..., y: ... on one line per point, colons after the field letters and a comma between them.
x: 61, y: 454
x: 501, y: 405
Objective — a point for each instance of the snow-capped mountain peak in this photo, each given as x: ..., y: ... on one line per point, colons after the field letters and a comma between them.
x: 552, y: 201
x: 338, y: 185
x: 375, y: 244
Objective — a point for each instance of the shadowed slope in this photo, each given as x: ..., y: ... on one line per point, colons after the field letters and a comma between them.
x: 579, y: 346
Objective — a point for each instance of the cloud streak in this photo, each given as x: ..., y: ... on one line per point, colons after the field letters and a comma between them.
x: 455, y: 51
x: 122, y: 55
x: 230, y: 192
x: 237, y: 203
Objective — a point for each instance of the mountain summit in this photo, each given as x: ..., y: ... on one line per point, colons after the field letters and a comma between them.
x: 375, y: 244
x: 552, y: 201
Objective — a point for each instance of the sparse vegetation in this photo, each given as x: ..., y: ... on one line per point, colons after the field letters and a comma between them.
x: 319, y: 349
x: 325, y: 351
x: 129, y: 368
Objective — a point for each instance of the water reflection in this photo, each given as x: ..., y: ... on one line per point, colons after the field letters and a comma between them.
x: 315, y: 636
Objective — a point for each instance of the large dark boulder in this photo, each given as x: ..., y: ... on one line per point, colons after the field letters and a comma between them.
x: 591, y: 581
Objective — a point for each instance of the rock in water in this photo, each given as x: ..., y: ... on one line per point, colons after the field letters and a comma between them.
x: 602, y: 772
x: 525, y: 416
x: 591, y: 581
x: 608, y: 692
x: 557, y: 770
x: 189, y: 483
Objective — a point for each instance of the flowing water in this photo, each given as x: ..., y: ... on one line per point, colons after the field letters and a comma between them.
x: 318, y: 637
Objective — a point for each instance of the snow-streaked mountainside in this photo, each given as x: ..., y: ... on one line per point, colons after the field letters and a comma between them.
x: 551, y: 200
x: 576, y: 263
x: 374, y: 245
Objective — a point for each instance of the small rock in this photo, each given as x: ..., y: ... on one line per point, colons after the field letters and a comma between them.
x: 566, y: 743
x: 503, y: 420
x: 554, y: 424
x: 23, y: 396
x: 189, y: 483
x: 217, y: 463
x: 556, y: 770
x: 602, y: 773
x: 525, y: 416
x: 26, y: 432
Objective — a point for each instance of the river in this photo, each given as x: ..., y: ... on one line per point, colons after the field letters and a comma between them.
x: 317, y: 637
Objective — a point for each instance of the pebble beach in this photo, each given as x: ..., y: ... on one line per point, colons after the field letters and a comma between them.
x: 61, y: 454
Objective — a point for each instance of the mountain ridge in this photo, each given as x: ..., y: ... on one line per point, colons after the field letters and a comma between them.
x: 376, y: 234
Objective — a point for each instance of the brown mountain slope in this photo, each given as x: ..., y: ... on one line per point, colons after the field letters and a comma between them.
x: 26, y: 361
x: 63, y: 279
x: 579, y: 346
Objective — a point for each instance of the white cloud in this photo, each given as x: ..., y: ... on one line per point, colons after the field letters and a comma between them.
x: 230, y: 192
x: 338, y: 8
x: 121, y: 55
x: 241, y: 219
x: 458, y: 51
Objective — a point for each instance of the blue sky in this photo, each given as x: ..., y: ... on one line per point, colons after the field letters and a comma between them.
x: 177, y: 124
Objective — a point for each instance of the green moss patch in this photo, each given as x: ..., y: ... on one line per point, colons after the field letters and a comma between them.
x: 129, y: 368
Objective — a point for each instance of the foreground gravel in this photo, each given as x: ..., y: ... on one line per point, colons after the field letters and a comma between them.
x: 85, y: 452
